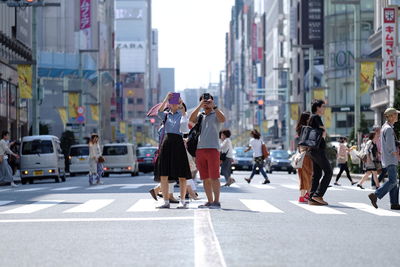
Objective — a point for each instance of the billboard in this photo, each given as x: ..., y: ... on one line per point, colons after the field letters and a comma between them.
x: 132, y: 56
x: 389, y: 42
x: 24, y: 26
x: 312, y: 23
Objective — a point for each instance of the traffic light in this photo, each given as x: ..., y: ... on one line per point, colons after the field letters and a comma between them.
x: 260, y: 103
x: 152, y: 120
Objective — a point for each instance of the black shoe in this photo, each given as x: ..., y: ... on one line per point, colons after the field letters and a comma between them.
x: 266, y: 181
x: 153, y: 194
x: 353, y: 183
x: 373, y: 199
x: 173, y: 201
x: 248, y: 180
x: 360, y: 186
x: 395, y: 207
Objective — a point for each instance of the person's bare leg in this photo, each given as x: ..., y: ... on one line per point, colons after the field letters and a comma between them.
x: 182, y: 188
x: 164, y: 187
x: 208, y: 189
x: 216, y: 189
x: 375, y: 177
x: 365, y: 177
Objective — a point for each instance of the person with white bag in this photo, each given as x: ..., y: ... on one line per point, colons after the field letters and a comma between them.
x: 306, y: 170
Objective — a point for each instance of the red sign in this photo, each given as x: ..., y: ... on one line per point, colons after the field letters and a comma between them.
x: 389, y: 43
x: 85, y: 14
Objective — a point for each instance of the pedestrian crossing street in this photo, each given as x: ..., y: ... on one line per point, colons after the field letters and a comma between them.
x: 149, y: 205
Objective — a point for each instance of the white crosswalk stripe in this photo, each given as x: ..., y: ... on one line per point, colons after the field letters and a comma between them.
x: 32, y: 189
x: 34, y: 207
x: 5, y: 202
x: 92, y: 205
x: 317, y: 209
x: 358, y: 189
x: 65, y: 188
x: 260, y: 206
x: 263, y: 186
x: 370, y: 209
x: 4, y: 190
x: 101, y: 187
x: 144, y: 205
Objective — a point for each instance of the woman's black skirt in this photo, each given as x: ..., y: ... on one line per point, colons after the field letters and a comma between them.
x: 173, y: 161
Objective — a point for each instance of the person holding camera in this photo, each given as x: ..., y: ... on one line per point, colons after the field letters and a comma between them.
x: 6, y: 174
x: 95, y: 160
x: 173, y: 162
x: 207, y: 154
x: 390, y: 160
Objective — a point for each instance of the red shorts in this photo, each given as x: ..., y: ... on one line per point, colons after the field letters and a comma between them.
x: 207, y: 161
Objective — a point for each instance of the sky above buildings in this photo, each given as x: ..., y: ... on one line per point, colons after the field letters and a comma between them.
x: 192, y: 39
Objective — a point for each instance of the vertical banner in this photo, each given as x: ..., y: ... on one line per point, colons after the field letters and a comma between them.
x: 25, y: 80
x: 389, y: 42
x: 94, y: 110
x: 319, y: 94
x: 122, y: 127
x: 294, y: 111
x: 328, y: 117
x: 73, y: 104
x: 366, y: 76
x: 85, y: 22
x: 63, y: 115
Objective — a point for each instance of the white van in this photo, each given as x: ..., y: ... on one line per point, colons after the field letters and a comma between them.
x: 120, y: 158
x: 41, y: 158
x: 78, y: 159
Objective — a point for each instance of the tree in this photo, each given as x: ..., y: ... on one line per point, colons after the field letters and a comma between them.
x: 44, y: 129
x: 364, y: 128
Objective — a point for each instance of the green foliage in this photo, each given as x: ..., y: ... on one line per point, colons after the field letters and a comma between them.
x: 364, y: 128
x: 44, y: 129
x: 67, y: 140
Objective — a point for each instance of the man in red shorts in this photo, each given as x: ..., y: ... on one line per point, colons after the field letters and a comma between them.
x: 207, y: 154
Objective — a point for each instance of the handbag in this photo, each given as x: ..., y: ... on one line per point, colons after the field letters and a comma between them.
x: 264, y: 151
x: 310, y: 137
x: 223, y: 156
x: 1, y: 158
x: 193, y: 137
x: 101, y: 159
x: 297, y: 159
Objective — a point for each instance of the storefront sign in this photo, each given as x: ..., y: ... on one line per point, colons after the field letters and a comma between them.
x: 389, y: 42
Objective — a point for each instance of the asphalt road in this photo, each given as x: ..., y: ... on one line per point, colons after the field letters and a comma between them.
x: 116, y: 224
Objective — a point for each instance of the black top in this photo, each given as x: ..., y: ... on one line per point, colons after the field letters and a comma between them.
x: 316, y: 122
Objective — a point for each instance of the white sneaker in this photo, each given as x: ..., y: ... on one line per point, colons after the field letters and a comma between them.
x: 14, y: 185
x: 182, y: 205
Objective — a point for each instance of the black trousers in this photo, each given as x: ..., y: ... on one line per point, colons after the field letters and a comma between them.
x: 343, y: 167
x: 320, y: 164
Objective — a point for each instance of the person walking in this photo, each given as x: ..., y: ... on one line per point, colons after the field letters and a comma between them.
x: 6, y: 173
x: 342, y: 157
x: 95, y: 166
x: 305, y: 172
x: 256, y: 145
x: 173, y: 162
x: 319, y: 158
x: 207, y: 154
x: 369, y: 164
x: 378, y: 160
x: 390, y: 161
x: 226, y: 156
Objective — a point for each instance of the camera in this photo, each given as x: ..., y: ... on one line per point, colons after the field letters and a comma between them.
x: 206, y: 96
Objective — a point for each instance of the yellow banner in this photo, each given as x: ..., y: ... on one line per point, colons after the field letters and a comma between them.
x: 319, y: 94
x: 73, y: 104
x: 94, y: 109
x: 265, y: 126
x: 295, y: 111
x: 328, y: 117
x: 366, y: 76
x: 122, y: 127
x: 63, y: 115
x: 25, y: 80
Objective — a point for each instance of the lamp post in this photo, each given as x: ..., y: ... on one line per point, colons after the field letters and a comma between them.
x: 357, y: 54
x: 307, y: 96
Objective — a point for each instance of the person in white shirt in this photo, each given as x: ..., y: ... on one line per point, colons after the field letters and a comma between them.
x: 95, y: 167
x: 256, y: 145
x: 226, y: 157
x: 6, y: 175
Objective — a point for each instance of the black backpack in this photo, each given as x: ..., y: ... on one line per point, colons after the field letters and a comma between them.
x: 193, y: 137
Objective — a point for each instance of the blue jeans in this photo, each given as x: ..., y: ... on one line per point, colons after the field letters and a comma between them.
x: 260, y: 168
x: 391, y: 186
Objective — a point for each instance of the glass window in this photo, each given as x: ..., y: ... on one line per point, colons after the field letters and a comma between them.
x: 139, y: 101
x: 37, y: 147
x: 131, y: 100
x: 79, y: 151
x: 115, y: 150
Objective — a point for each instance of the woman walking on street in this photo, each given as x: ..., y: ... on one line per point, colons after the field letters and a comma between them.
x: 256, y: 145
x: 342, y: 157
x: 226, y: 156
x: 305, y: 172
x: 6, y: 173
x: 95, y: 166
x: 370, y: 166
x: 173, y: 161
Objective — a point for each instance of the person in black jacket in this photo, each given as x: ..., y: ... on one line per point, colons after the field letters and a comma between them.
x: 319, y: 158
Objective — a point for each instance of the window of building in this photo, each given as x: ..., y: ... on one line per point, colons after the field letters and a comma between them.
x: 139, y: 101
x: 131, y: 100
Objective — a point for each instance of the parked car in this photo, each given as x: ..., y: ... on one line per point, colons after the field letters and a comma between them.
x: 41, y: 158
x: 279, y: 160
x: 120, y: 158
x: 146, y: 158
x: 78, y: 159
x: 242, y: 161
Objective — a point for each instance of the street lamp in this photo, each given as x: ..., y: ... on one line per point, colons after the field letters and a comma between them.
x: 287, y: 105
x: 357, y: 52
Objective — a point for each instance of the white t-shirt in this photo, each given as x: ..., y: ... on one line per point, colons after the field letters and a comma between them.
x: 226, y: 146
x: 256, y: 146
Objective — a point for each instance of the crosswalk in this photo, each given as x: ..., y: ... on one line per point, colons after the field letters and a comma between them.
x: 91, y: 206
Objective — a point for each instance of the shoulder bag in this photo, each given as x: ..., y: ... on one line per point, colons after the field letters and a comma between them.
x: 193, y: 137
x: 310, y: 137
x: 264, y: 151
x: 297, y: 159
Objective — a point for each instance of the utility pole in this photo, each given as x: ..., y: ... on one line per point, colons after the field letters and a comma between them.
x: 357, y: 53
x: 35, y: 95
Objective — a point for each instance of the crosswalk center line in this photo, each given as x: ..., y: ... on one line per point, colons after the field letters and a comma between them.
x: 144, y: 205
x: 317, y: 209
x: 92, y: 205
x: 260, y: 206
x: 370, y: 209
x: 36, y: 206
